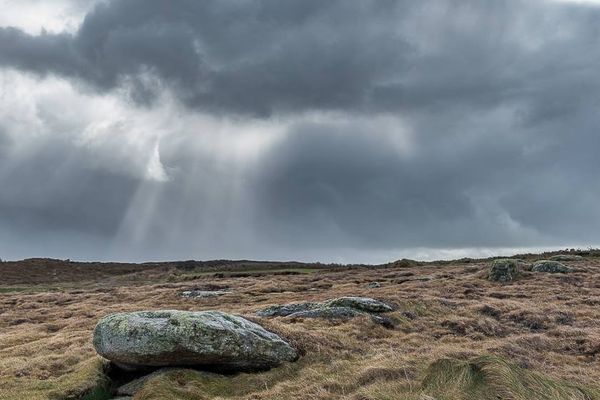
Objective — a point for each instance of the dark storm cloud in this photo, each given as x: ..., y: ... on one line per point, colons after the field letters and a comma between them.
x: 497, y: 102
x: 272, y: 55
x: 509, y: 186
x: 232, y: 56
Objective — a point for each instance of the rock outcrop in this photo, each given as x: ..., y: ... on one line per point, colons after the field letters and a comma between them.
x: 341, y: 308
x: 359, y: 303
x: 503, y: 270
x: 177, y: 338
x: 551, y: 266
x: 287, y: 309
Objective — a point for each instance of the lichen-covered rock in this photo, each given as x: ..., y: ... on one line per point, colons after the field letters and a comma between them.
x: 178, y: 338
x: 359, y: 303
x: 503, y: 270
x: 287, y: 309
x: 343, y: 313
x: 566, y: 257
x: 365, y: 304
x: 340, y: 313
x: 551, y: 266
x: 374, y: 285
x: 342, y: 308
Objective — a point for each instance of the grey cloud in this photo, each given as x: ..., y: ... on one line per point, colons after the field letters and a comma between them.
x: 326, y: 184
x: 56, y: 189
x: 287, y: 56
x: 242, y: 57
x: 499, y: 104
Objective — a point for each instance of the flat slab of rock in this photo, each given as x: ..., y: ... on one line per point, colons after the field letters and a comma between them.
x: 342, y: 314
x: 360, y: 303
x: 287, y: 309
x: 551, y: 266
x: 179, y: 338
x: 341, y: 308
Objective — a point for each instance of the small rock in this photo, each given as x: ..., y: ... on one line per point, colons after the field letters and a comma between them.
x: 342, y: 308
x: 200, y: 294
x: 566, y: 257
x: 286, y: 309
x: 374, y: 285
x: 551, y: 266
x: 359, y: 303
x: 177, y: 338
x: 503, y: 270
x: 341, y: 313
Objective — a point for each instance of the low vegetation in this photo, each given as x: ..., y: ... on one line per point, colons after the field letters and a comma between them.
x: 456, y: 334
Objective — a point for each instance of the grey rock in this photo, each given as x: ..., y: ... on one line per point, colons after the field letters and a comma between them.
x: 503, y: 270
x: 343, y: 313
x: 342, y: 308
x: 286, y: 309
x: 566, y: 257
x: 359, y: 303
x: 374, y: 285
x: 178, y: 338
x: 551, y: 266
x: 199, y: 294
x: 340, y: 313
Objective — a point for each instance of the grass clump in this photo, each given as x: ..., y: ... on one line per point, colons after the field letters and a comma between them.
x: 491, y: 377
x: 86, y: 381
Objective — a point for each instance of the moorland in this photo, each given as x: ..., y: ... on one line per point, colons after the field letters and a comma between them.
x: 454, y: 334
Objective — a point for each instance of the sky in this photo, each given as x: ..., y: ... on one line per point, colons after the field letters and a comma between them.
x: 334, y: 131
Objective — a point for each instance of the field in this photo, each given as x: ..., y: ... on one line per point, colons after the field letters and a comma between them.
x: 456, y: 334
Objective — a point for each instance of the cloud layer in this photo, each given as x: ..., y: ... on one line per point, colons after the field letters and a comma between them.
x: 301, y: 129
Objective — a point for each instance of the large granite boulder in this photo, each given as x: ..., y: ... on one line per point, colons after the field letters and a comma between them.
x: 503, y: 270
x: 551, y: 266
x: 177, y: 338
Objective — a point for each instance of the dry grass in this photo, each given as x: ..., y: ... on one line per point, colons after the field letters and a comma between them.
x: 454, y: 332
